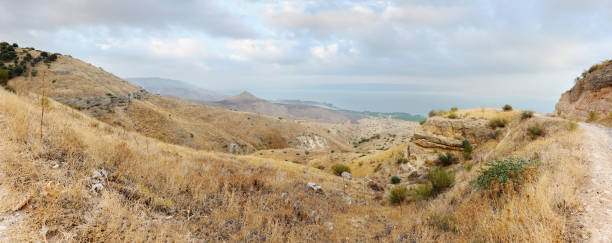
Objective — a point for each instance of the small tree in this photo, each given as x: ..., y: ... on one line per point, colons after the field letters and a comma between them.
x: 398, y: 195
x: 395, y: 180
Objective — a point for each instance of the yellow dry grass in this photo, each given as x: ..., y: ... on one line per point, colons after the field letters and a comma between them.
x: 154, y: 191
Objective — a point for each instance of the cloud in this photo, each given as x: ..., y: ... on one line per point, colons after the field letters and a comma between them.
x: 471, y: 47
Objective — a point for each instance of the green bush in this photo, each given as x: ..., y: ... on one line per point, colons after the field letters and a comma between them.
x: 398, y: 194
x: 526, y: 115
x: 422, y: 122
x: 502, y: 170
x: 454, y: 109
x: 395, y: 180
x: 440, y: 178
x: 467, y: 149
x: 446, y: 159
x: 507, y: 107
x: 421, y: 191
x: 320, y: 167
x: 339, y: 168
x: 498, y: 122
x: 536, y: 130
x: 452, y: 115
x: 432, y: 113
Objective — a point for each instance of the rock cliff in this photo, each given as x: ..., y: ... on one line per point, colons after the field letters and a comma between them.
x: 591, y: 95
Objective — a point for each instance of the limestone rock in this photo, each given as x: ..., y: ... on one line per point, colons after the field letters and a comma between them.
x: 346, y: 175
x: 592, y: 93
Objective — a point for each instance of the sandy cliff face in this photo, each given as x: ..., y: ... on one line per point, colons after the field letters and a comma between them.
x: 591, y: 94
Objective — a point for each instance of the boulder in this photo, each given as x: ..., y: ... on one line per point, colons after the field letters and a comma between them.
x: 314, y: 187
x: 346, y: 175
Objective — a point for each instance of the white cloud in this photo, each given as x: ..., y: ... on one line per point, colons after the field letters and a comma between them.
x: 325, y: 53
x: 180, y: 48
x: 259, y: 50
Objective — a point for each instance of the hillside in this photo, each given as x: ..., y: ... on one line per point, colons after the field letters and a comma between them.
x: 591, y: 97
x: 176, y: 88
x: 89, y: 181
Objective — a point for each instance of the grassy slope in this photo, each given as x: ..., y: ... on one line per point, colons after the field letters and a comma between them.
x: 158, y: 191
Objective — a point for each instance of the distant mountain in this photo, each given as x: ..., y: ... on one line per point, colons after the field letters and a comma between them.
x: 176, y: 88
x: 300, y: 111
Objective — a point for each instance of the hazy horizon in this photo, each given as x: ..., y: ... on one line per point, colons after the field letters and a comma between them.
x: 408, y: 56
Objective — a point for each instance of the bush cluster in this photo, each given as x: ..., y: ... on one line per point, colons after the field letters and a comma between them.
x: 498, y: 122
x: 502, y: 171
x: 339, y: 168
x: 536, y: 130
x: 398, y: 194
x: 526, y: 115
x: 440, y: 178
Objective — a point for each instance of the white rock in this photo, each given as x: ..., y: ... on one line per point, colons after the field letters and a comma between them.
x: 329, y: 225
x: 314, y: 187
x: 346, y: 175
x: 97, y: 187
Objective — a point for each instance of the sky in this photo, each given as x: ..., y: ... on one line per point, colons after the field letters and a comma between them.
x: 409, y: 56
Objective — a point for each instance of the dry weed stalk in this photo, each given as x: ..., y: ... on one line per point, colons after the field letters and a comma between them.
x: 42, y: 107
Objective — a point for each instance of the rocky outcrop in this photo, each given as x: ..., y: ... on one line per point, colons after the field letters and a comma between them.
x: 311, y: 142
x: 99, y: 105
x: 592, y: 94
x: 441, y: 135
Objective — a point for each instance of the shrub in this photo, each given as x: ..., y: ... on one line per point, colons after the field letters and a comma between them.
x: 395, y: 180
x: 421, y: 191
x: 446, y: 159
x: 468, y: 166
x: 498, y: 122
x: 432, y: 113
x: 503, y: 170
x: 467, y: 149
x: 320, y: 167
x: 422, y: 122
x: 442, y: 112
x: 339, y: 168
x: 526, y: 115
x: 440, y: 178
x: 402, y: 160
x: 507, y: 107
x: 398, y: 194
x: 571, y: 126
x: 454, y: 109
x: 535, y: 130
x: 34, y: 73
x: 452, y: 115
x: 592, y: 117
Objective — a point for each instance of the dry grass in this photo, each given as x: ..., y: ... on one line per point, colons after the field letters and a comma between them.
x: 155, y: 191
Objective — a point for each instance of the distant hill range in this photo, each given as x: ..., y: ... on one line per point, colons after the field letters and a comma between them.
x: 176, y: 88
x: 298, y: 111
x: 291, y: 109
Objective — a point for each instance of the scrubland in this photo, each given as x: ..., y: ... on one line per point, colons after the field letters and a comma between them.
x: 91, y: 181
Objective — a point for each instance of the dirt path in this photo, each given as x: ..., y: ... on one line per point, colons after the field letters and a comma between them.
x: 598, y: 196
